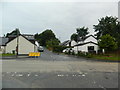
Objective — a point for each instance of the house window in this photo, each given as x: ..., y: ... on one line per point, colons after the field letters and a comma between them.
x: 90, y: 48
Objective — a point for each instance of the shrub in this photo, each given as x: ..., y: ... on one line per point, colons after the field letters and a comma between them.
x: 84, y: 54
x: 81, y: 53
x: 88, y: 55
x: 59, y: 48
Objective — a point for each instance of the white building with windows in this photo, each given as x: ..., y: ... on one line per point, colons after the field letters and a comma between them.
x: 87, y: 44
x: 25, y: 43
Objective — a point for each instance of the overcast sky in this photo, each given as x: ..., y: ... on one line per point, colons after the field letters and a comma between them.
x: 61, y: 17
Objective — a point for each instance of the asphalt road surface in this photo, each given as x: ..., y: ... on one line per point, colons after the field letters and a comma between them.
x: 58, y: 71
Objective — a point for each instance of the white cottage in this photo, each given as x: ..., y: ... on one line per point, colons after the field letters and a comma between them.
x: 25, y: 45
x: 88, y: 44
x: 3, y: 41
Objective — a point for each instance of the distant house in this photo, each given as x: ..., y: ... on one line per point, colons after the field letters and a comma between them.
x: 3, y: 41
x: 86, y: 44
x: 26, y: 44
x: 66, y: 43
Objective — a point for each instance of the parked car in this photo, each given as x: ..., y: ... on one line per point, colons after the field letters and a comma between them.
x: 40, y: 49
x: 68, y: 50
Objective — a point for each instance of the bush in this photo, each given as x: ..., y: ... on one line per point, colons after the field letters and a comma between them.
x: 81, y: 53
x: 73, y: 53
x: 59, y: 48
x: 84, y: 54
x: 89, y: 55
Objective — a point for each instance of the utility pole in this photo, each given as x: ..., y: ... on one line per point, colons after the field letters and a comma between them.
x: 17, y: 43
x: 77, y: 43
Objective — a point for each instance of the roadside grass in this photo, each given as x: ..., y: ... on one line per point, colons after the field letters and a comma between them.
x: 6, y: 54
x: 108, y: 56
x: 111, y: 57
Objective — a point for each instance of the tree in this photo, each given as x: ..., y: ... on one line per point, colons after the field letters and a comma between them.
x: 45, y: 36
x: 74, y: 36
x: 14, y: 32
x: 82, y: 32
x: 107, y: 42
x: 51, y: 43
x: 108, y: 25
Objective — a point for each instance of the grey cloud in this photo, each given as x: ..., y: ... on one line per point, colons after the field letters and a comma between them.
x: 61, y: 17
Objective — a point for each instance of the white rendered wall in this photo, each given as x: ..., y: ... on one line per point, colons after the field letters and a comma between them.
x: 24, y: 46
x: 73, y: 43
x: 84, y: 48
x: 11, y: 46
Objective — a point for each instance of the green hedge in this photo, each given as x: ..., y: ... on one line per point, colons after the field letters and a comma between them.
x: 59, y: 48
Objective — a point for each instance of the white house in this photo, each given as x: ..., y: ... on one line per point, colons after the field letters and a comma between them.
x: 88, y: 44
x: 3, y: 41
x: 73, y: 42
x: 26, y: 44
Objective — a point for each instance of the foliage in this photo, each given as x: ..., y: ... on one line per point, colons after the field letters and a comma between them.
x: 81, y: 53
x: 6, y: 54
x: 108, y: 25
x: 82, y: 32
x: 45, y: 36
x: 14, y: 32
x: 84, y: 54
x: 59, y: 48
x: 107, y: 42
x: 52, y: 42
x: 74, y: 36
x: 110, y: 57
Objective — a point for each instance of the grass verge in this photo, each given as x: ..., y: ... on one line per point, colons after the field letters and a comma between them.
x: 110, y: 57
x: 7, y: 54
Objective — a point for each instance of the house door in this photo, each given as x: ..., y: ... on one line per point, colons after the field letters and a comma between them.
x: 90, y: 48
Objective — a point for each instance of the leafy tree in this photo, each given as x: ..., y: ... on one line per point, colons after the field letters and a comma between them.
x: 82, y: 32
x: 107, y: 42
x: 36, y: 36
x: 74, y: 36
x: 51, y: 43
x: 14, y: 32
x: 45, y: 36
x: 108, y: 25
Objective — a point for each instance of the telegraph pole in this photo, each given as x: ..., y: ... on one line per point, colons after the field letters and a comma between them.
x: 17, y: 43
x: 77, y: 43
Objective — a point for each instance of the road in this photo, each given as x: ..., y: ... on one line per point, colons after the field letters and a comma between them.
x: 58, y: 71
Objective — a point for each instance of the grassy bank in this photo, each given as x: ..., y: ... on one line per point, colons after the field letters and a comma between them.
x: 7, y: 54
x: 110, y: 57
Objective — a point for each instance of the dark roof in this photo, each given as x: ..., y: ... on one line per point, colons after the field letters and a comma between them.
x: 3, y: 41
x: 89, y: 36
x: 86, y: 43
x: 65, y: 43
x: 29, y: 36
x: 86, y: 38
x: 9, y: 36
